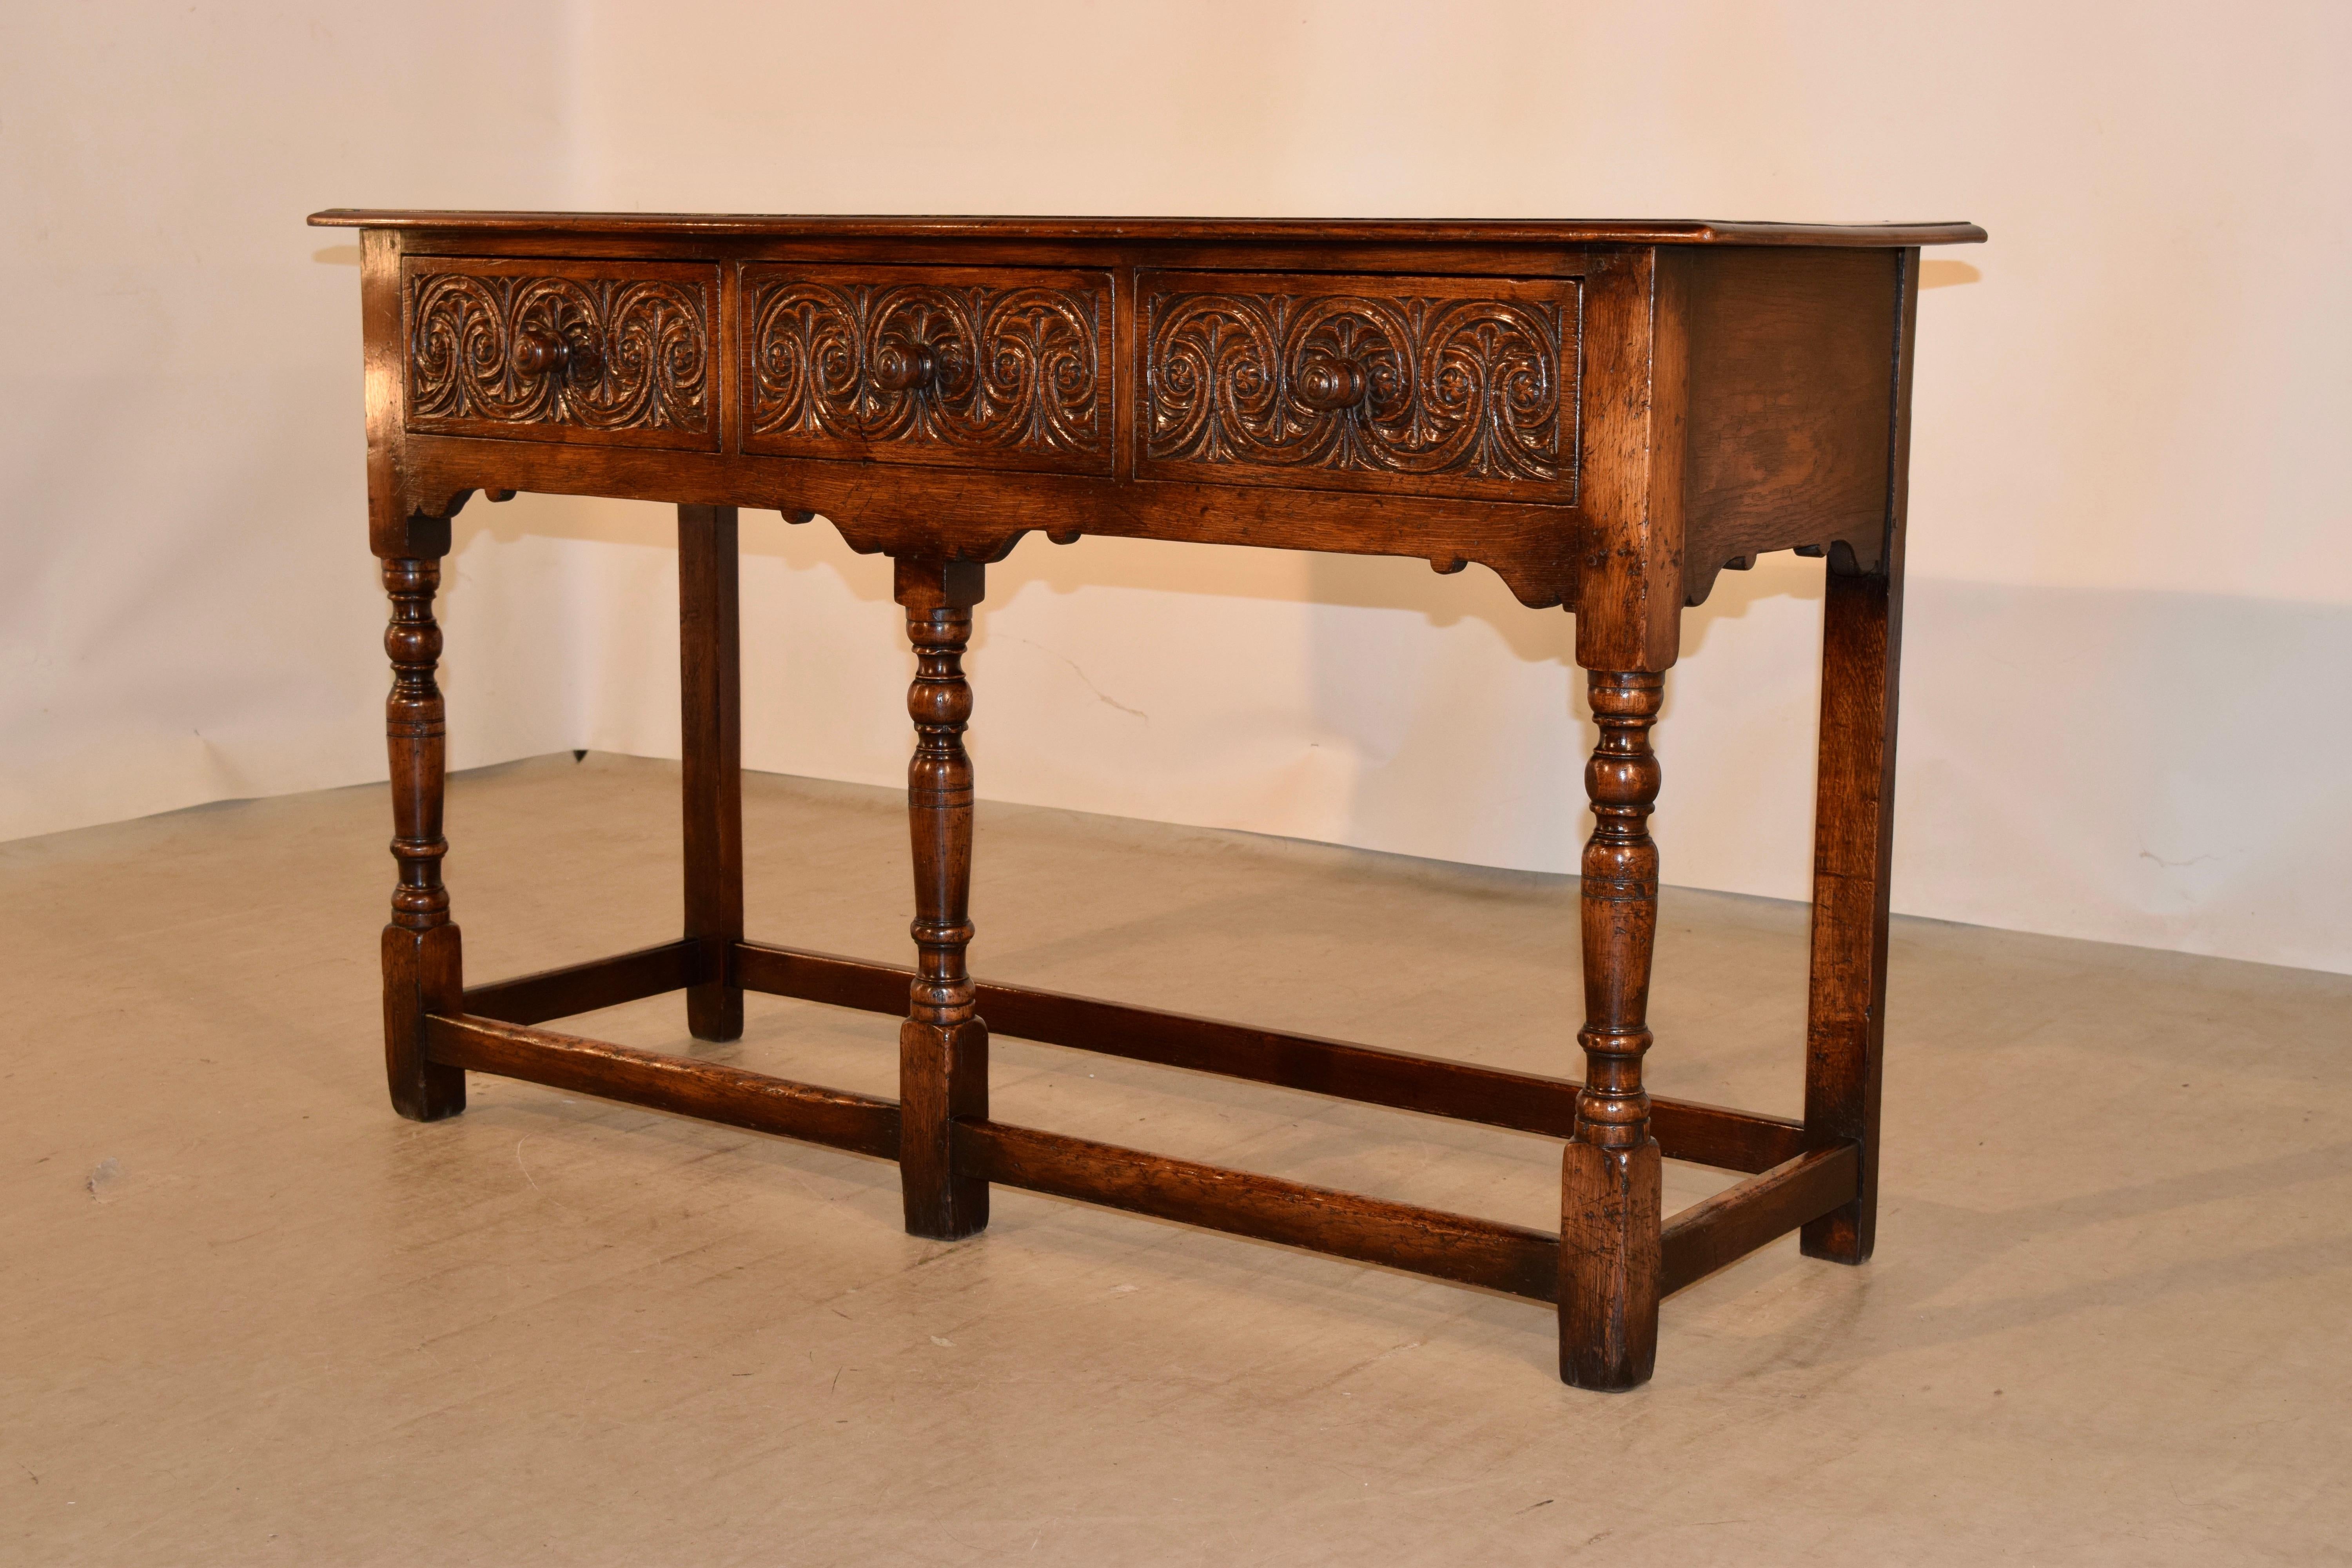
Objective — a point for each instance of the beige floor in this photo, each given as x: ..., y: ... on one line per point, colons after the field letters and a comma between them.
x: 251, y: 1318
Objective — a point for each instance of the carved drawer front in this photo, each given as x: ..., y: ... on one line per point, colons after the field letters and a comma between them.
x: 978, y: 367
x: 619, y: 352
x: 1426, y: 386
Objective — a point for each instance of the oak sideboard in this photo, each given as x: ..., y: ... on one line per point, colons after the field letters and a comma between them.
x: 1604, y: 414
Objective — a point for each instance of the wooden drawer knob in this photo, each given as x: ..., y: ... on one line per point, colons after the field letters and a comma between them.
x: 1327, y: 382
x: 904, y: 366
x: 538, y: 353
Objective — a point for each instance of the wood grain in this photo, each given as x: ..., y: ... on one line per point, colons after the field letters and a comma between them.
x: 711, y: 793
x: 1610, y: 1173
x: 1506, y: 231
x: 575, y: 988
x: 1787, y: 388
x: 1629, y: 530
x: 972, y: 514
x: 961, y: 366
x: 707, y: 1090
x: 624, y: 352
x: 1853, y: 836
x: 943, y: 1044
x: 1493, y: 1097
x: 1735, y: 1222
x: 1483, y: 1252
x: 422, y: 961
x: 1442, y: 387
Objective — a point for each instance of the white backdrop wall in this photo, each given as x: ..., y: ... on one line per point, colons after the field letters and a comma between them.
x: 2127, y: 701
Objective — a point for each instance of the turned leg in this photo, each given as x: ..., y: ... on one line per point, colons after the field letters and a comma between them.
x: 943, y: 1044
x: 1853, y: 841
x: 711, y: 712
x: 421, y: 962
x: 1609, y: 1184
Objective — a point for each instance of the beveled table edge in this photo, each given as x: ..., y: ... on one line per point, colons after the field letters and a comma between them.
x: 1436, y: 231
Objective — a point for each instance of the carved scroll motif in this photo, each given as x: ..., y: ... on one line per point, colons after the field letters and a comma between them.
x: 596, y: 353
x: 1468, y: 389
x: 1010, y: 375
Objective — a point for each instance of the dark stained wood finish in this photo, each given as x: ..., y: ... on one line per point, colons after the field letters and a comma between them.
x: 1742, y: 1219
x: 1473, y: 1251
x: 709, y: 1090
x: 625, y: 353
x: 827, y: 977
x: 1737, y: 307
x: 422, y: 961
x: 1853, y: 834
x: 1610, y: 1172
x: 711, y: 709
x: 416, y: 728
x: 943, y: 1044
x: 978, y: 515
x: 1486, y: 1252
x: 1738, y: 1220
x: 1606, y: 413
x: 1413, y: 231
x: 577, y: 988
x: 1630, y: 560
x: 1789, y: 381
x: 1426, y: 386
x: 958, y: 365
x: 1493, y: 1097
x: 423, y: 970
x: 398, y: 527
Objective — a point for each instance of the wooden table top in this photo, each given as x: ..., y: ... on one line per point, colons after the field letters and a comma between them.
x: 1441, y: 231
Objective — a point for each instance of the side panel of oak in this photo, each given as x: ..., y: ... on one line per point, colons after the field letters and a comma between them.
x: 1788, y: 383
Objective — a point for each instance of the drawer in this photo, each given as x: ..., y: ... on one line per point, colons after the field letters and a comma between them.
x: 617, y: 353
x: 1421, y: 386
x: 974, y: 367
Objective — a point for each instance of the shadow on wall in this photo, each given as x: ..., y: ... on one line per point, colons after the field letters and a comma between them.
x: 2161, y: 769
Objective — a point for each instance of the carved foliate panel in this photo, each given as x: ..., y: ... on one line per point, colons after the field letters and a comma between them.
x: 907, y: 364
x: 1437, y: 386
x: 619, y: 352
